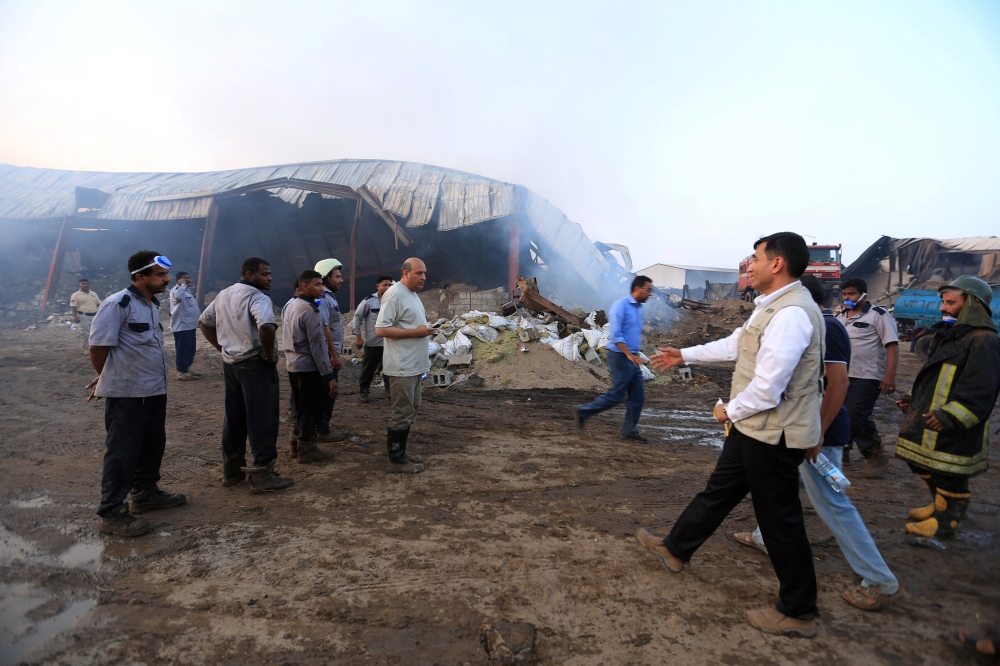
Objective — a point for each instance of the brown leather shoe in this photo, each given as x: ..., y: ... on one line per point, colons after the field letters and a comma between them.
x: 655, y: 544
x: 871, y: 598
x: 773, y: 621
x: 878, y: 460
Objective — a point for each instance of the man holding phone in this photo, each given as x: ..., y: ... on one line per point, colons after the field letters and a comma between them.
x: 402, y: 322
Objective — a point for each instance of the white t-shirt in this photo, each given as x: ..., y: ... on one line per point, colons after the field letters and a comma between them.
x: 406, y: 357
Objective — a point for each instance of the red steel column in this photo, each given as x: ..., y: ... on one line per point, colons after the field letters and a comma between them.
x: 206, y: 251
x: 57, y: 259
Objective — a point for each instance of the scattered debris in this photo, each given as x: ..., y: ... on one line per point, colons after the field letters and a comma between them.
x: 509, y: 643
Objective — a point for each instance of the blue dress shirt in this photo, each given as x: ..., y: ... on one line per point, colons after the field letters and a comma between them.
x: 625, y: 318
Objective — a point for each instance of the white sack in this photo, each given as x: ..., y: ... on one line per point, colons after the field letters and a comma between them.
x: 433, y: 348
x: 459, y: 340
x: 592, y: 337
x: 569, y: 347
x: 481, y: 332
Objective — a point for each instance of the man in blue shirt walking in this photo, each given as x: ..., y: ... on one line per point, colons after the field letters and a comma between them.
x: 625, y: 318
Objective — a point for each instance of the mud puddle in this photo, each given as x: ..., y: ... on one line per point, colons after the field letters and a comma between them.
x: 683, y: 425
x: 30, y: 617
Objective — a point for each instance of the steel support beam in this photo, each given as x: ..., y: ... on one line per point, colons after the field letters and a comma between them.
x: 513, y: 256
x: 205, y: 261
x: 57, y: 260
x: 354, y: 248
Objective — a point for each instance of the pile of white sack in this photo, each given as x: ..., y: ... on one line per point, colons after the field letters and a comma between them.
x: 458, y: 333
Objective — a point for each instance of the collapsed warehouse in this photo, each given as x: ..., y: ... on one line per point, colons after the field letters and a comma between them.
x: 62, y: 225
x: 892, y: 264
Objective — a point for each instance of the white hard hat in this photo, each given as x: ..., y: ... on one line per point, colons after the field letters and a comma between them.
x: 327, y: 266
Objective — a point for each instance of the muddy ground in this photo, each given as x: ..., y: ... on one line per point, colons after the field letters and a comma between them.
x: 519, y: 522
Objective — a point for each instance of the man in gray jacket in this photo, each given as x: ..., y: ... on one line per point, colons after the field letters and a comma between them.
x: 310, y: 372
x: 366, y: 315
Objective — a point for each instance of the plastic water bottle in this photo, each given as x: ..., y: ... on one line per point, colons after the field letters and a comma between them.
x: 830, y: 472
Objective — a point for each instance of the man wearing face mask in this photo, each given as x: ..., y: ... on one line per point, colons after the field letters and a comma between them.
x: 874, y: 353
x: 126, y: 350
x: 944, y: 436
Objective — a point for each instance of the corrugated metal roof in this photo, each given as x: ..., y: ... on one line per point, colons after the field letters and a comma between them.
x: 410, y: 191
x: 693, y: 268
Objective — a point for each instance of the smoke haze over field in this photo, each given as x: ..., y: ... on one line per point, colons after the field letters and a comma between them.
x: 683, y: 130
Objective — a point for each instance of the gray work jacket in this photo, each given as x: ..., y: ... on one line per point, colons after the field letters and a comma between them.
x: 303, y: 340
x: 367, y: 312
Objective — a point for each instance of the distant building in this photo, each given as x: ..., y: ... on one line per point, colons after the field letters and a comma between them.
x: 675, y: 276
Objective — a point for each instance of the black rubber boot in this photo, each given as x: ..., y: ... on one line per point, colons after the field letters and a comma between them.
x: 398, y: 464
x: 925, y: 512
x: 154, y: 498
x: 265, y: 479
x: 409, y: 456
x: 949, y: 510
x: 121, y: 523
x: 365, y: 398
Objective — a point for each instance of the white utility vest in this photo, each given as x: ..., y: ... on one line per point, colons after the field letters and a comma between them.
x: 797, y: 414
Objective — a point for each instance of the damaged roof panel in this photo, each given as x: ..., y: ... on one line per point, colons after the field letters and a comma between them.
x: 410, y: 191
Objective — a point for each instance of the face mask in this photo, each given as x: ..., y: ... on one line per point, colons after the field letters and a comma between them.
x: 159, y: 260
x: 948, y: 319
x: 849, y: 304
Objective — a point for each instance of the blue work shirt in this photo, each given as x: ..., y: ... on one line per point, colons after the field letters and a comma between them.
x: 838, y: 350
x: 625, y: 318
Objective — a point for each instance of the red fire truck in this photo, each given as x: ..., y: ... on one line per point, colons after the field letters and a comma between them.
x: 824, y: 263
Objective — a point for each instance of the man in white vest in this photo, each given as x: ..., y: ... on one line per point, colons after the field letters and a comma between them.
x: 774, y: 407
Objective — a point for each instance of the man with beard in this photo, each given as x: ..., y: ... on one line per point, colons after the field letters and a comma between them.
x: 126, y: 349
x: 945, y: 434
x: 333, y: 324
x: 240, y: 324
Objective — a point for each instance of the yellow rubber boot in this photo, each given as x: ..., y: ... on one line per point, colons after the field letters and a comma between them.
x: 926, y: 512
x: 949, y: 509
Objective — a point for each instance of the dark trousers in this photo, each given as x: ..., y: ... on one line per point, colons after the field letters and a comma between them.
x: 251, y: 414
x: 328, y: 402
x: 309, y: 393
x: 136, y: 438
x: 862, y: 394
x: 770, y: 473
x: 626, y: 386
x: 369, y: 364
x: 948, y: 483
x: 184, y: 346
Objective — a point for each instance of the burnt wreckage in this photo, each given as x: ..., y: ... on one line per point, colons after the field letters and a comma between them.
x: 370, y: 214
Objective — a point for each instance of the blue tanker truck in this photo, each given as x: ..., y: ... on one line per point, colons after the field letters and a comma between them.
x: 916, y: 310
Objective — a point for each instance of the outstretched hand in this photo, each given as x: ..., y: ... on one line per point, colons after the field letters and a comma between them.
x: 666, y: 358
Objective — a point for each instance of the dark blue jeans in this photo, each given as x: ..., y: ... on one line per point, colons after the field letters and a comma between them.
x: 134, y: 448
x: 862, y: 394
x: 626, y: 386
x: 252, y: 404
x: 184, y: 345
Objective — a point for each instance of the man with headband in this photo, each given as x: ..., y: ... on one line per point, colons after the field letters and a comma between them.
x: 944, y: 436
x: 874, y: 353
x: 126, y: 350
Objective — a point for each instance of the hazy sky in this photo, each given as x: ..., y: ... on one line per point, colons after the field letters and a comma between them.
x: 684, y: 130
